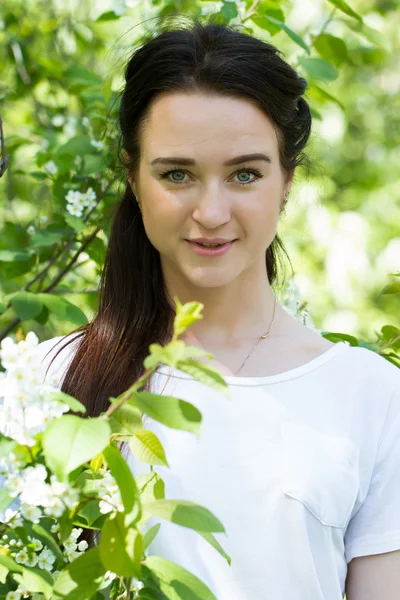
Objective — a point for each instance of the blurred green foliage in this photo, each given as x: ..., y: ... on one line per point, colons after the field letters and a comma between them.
x: 61, y: 74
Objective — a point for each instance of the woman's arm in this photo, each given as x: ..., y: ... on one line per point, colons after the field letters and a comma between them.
x: 374, y: 577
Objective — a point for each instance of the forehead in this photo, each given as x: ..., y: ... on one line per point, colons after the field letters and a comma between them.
x: 206, y: 124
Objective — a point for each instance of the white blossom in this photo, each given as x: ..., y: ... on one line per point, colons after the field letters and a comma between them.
x: 31, y: 513
x: 90, y: 194
x: 58, y: 120
x: 13, y: 595
x: 69, y: 128
x: 27, y: 406
x: 98, y: 144
x: 22, y: 556
x: 74, y: 210
x: 51, y: 167
x: 31, y: 230
x: 43, y: 219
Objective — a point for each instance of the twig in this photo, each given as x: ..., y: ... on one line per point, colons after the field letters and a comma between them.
x: 4, y: 157
x: 252, y: 10
x: 61, y: 273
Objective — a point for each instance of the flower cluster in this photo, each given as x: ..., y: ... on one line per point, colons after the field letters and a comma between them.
x: 37, y: 497
x: 108, y: 490
x: 78, y: 201
x: 34, y: 554
x: 28, y: 406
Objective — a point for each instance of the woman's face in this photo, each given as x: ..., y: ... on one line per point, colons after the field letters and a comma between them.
x: 195, y: 136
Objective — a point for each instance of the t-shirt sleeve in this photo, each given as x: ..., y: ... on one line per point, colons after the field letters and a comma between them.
x: 375, y: 527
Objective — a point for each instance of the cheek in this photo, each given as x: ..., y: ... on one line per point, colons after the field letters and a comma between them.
x: 161, y: 217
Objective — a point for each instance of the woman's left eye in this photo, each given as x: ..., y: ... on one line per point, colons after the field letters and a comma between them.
x: 255, y: 172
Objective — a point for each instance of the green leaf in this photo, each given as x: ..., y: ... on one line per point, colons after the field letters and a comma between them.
x: 174, y: 581
x: 71, y: 441
x: 73, y: 403
x: 97, y: 251
x: 205, y: 374
x: 215, y: 544
x: 372, y: 35
x: 92, y: 163
x: 91, y: 511
x: 126, y: 483
x: 5, y: 499
x: 146, y: 446
x: 345, y: 8
x: 150, y: 486
x: 36, y: 530
x: 318, y: 92
x: 150, y: 535
x: 27, y: 305
x: 81, y: 76
x: 81, y: 578
x: 167, y: 355
x: 392, y: 288
x: 63, y: 309
x: 76, y: 223
x: 315, y: 113
x: 332, y: 48
x: 128, y: 418
x: 184, y: 513
x: 77, y: 145
x: 3, y: 307
x: 229, y: 10
x: 293, y: 36
x: 173, y: 412
x: 186, y: 314
x: 260, y: 20
x: 340, y: 337
x: 36, y: 581
x: 317, y: 68
x: 121, y: 548
x: 9, y: 562
x: 42, y: 239
x: 38, y: 175
x: 3, y: 574
x: 110, y: 15
x: 24, y: 254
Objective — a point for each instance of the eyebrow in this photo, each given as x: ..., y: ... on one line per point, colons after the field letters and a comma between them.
x: 232, y: 161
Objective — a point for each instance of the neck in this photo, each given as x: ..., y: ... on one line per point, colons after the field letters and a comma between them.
x: 239, y: 311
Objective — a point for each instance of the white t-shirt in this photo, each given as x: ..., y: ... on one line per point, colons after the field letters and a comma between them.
x: 302, y: 469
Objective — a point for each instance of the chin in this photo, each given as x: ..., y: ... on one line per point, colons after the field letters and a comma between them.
x: 216, y: 279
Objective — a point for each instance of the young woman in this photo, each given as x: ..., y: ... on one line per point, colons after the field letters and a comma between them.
x: 302, y: 463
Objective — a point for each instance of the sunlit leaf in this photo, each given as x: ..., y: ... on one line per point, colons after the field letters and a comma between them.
x: 146, y: 446
x: 345, y: 8
x: 317, y: 68
x: 71, y: 441
x: 174, y: 581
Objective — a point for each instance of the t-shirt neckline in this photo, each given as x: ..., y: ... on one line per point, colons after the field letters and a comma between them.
x: 268, y: 379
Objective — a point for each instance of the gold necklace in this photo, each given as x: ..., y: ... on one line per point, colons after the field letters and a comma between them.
x: 262, y: 337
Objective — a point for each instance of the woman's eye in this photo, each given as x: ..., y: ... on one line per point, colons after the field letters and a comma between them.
x: 255, y: 172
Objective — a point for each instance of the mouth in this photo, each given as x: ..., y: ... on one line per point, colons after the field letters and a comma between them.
x: 211, y: 250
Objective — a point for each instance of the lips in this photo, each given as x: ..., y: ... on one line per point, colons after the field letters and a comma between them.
x: 210, y: 251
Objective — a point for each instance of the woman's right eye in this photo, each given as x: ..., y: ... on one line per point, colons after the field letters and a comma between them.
x: 165, y: 174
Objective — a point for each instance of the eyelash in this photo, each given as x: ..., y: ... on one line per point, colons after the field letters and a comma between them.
x: 256, y: 172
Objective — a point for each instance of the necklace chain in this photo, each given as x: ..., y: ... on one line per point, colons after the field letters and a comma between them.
x: 262, y: 337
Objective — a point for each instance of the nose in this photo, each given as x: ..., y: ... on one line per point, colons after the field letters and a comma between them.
x: 212, y: 211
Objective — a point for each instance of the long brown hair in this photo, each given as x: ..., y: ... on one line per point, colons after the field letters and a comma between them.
x: 134, y: 308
